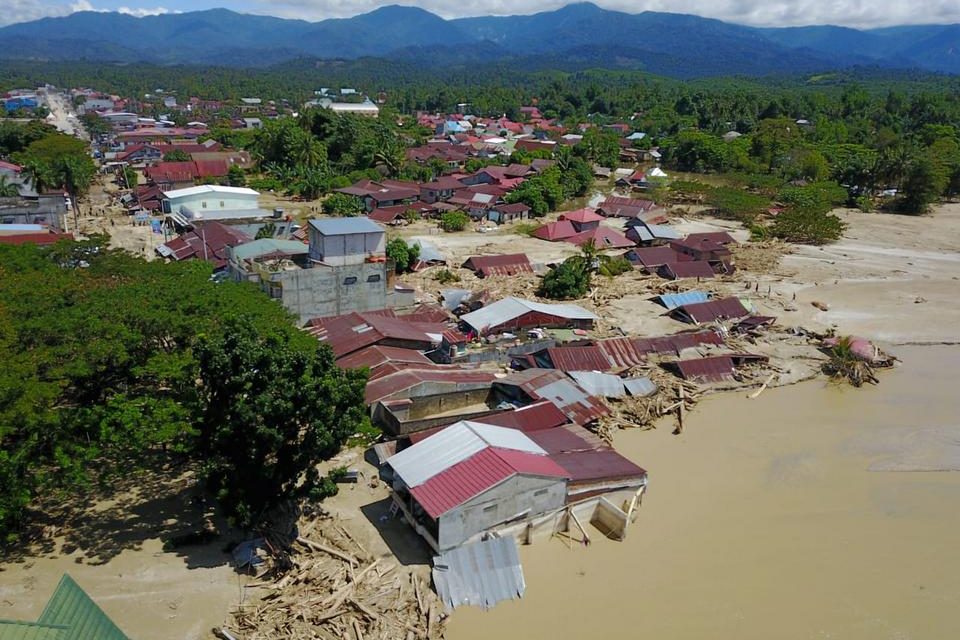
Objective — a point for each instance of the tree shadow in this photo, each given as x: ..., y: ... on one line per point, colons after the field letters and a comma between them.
x: 408, y: 547
x: 124, y: 513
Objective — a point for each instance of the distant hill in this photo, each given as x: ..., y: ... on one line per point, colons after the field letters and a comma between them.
x: 576, y: 36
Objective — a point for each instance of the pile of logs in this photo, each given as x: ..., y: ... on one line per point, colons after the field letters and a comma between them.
x: 336, y: 589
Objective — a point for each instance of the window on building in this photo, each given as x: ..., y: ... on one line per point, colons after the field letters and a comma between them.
x: 221, y: 204
x: 540, y: 492
x: 350, y: 280
x: 373, y: 278
x: 489, y: 509
x: 203, y: 205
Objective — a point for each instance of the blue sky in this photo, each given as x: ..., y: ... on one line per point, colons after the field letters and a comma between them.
x: 854, y: 13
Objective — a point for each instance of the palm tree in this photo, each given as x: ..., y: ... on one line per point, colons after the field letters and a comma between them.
x: 8, y: 189
x: 37, y: 174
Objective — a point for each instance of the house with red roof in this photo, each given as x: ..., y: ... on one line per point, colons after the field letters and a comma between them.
x: 555, y: 231
x: 470, y: 477
x: 582, y: 219
x: 603, y: 238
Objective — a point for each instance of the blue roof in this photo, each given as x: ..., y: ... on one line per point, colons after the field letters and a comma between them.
x: 673, y: 300
x: 345, y: 226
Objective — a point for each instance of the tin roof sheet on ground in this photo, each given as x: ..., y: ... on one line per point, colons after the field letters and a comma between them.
x: 603, y: 385
x: 712, y: 369
x: 428, y: 251
x: 507, y: 309
x: 417, y: 464
x: 640, y: 387
x: 711, y: 310
x: 622, y: 352
x: 674, y: 300
x: 479, y: 574
x: 552, y: 385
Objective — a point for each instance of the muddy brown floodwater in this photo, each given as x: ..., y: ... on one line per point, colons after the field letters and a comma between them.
x: 763, y: 521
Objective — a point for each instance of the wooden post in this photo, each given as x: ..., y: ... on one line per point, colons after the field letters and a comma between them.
x: 682, y: 396
x: 586, y: 536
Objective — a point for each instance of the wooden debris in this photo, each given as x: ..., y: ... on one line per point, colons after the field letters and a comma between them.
x: 335, y: 590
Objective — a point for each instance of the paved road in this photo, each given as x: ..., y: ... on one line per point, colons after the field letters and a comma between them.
x: 64, y: 117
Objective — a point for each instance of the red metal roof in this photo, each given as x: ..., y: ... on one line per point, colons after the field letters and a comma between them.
x: 42, y: 238
x: 579, y: 358
x: 581, y: 216
x: 603, y: 238
x: 596, y: 464
x: 646, y: 205
x: 209, y: 242
x: 711, y: 310
x: 552, y: 385
x: 377, y: 355
x: 350, y: 332
x: 538, y: 416
x: 477, y: 474
x: 712, y: 369
x: 622, y: 352
x: 652, y: 256
x: 570, y: 437
x: 719, y: 237
x: 556, y: 231
x: 501, y: 265
x: 689, y: 269
x: 406, y: 379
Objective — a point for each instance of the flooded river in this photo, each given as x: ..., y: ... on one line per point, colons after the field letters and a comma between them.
x: 764, y: 520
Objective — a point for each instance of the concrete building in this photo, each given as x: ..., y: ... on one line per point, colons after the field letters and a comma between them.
x: 50, y: 211
x: 344, y: 269
x: 346, y: 241
x: 470, y: 478
x: 212, y: 202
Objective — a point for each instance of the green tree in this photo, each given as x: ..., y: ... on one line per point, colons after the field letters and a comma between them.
x: 922, y: 185
x: 569, y: 280
x: 177, y: 155
x: 454, y: 221
x: 268, y: 230
x: 7, y: 188
x: 271, y: 411
x: 403, y: 255
x: 342, y: 204
x: 236, y: 176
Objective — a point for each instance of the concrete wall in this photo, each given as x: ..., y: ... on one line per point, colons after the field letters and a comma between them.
x: 329, y: 291
x: 50, y: 210
x: 501, y: 503
x: 346, y: 249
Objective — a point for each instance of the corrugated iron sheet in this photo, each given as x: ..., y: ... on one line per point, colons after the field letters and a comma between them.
x: 711, y: 310
x: 72, y: 607
x: 503, y: 311
x: 503, y: 265
x: 640, y: 387
x: 15, y: 630
x: 471, y: 477
x: 596, y: 465
x: 480, y: 574
x: 452, y: 445
x: 712, y: 369
x: 603, y: 385
x: 389, y: 386
x: 578, y: 358
x: 689, y: 269
x: 571, y: 437
x: 673, y: 300
x: 622, y: 352
x: 377, y: 355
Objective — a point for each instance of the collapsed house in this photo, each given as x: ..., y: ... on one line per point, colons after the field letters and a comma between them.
x: 516, y: 314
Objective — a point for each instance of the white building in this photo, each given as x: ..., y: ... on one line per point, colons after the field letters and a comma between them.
x: 212, y: 202
x: 345, y: 241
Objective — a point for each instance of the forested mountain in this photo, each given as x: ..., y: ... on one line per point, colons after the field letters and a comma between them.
x: 576, y: 36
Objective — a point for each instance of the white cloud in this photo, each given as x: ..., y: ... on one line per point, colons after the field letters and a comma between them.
x: 27, y: 10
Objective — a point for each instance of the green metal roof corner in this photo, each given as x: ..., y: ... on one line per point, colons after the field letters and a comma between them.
x: 70, y: 606
x: 16, y: 630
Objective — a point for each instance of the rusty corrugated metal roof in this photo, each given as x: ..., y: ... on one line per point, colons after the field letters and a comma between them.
x: 712, y: 369
x: 502, y: 265
x: 578, y: 358
x: 711, y: 310
x: 552, y: 385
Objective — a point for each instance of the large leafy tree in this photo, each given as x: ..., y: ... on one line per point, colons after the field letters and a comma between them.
x: 272, y: 410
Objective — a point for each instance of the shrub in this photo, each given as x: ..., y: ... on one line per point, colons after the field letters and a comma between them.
x: 614, y: 266
x: 807, y: 226
x: 342, y: 204
x: 454, y: 221
x: 445, y: 276
x: 402, y: 254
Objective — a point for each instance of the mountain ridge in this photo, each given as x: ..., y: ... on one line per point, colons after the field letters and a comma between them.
x: 680, y: 45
